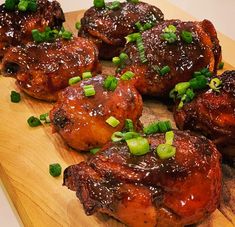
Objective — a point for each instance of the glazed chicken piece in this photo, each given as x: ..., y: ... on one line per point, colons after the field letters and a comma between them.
x: 147, y: 191
x: 108, y: 28
x: 81, y: 120
x: 16, y: 26
x: 182, y: 58
x: 212, y: 113
x: 42, y: 70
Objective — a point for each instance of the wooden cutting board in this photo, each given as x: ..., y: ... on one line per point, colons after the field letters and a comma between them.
x: 25, y: 154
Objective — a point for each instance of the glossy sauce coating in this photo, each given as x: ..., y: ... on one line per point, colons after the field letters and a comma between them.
x: 148, y: 191
x: 81, y: 120
x: 42, y: 70
x: 212, y: 113
x: 108, y: 28
x: 182, y: 58
x: 16, y: 26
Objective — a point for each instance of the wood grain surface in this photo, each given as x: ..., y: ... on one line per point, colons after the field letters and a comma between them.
x: 25, y: 155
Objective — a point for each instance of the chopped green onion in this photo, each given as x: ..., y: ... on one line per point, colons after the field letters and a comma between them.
x: 187, y: 36
x: 55, y: 169
x: 129, y: 126
x: 116, y: 61
x: 221, y: 65
x: 133, y: 1
x: 94, y: 150
x: 32, y: 6
x: 138, y: 146
x: 120, y: 136
x: 114, y: 5
x: 199, y: 82
x: 33, y: 121
x: 127, y: 75
x: 206, y: 72
x: 117, y: 136
x: 86, y: 75
x: 169, y: 37
x: 182, y: 87
x: 23, y: 5
x: 169, y: 137
x: 74, y: 80
x: 132, y: 37
x: 37, y: 36
x: 78, y: 25
x: 187, y: 97
x: 15, y: 97
x: 11, y: 4
x: 43, y: 117
x: 67, y: 35
x: 169, y: 34
x: 140, y: 47
x: 110, y: 83
x: 123, y: 57
x: 215, y: 84
x: 99, y: 3
x: 144, y: 27
x: 112, y: 121
x: 165, y: 151
x: 170, y: 28
x: 89, y: 90
x: 164, y: 70
x: 160, y: 126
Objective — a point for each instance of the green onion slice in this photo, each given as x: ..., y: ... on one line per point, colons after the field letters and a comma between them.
x: 94, y: 150
x: 74, y: 80
x: 15, y: 97
x: 129, y: 126
x: 86, y: 75
x: 112, y: 121
x: 215, y: 84
x: 140, y: 47
x: 78, y: 25
x: 99, y: 3
x: 159, y: 126
x: 55, y: 169
x: 132, y: 37
x: 138, y: 146
x: 221, y: 65
x: 187, y: 36
x: 89, y: 90
x: 127, y: 75
x: 34, y: 121
x: 165, y: 151
x: 110, y: 83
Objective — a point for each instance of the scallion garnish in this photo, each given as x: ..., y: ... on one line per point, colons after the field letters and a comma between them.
x: 221, y: 65
x: 74, y: 80
x: 187, y: 36
x: 86, y: 75
x: 159, y: 126
x: 133, y: 1
x: 169, y: 34
x: 132, y: 37
x: 215, y: 84
x: 21, y: 5
x: 144, y: 27
x: 110, y: 83
x: 50, y: 35
x: 99, y: 3
x: 162, y: 71
x: 127, y: 75
x: 94, y: 150
x: 118, y: 61
x: 112, y: 121
x: 140, y: 47
x: 55, y: 169
x: 15, y: 97
x: 89, y: 90
x: 129, y: 126
x: 166, y: 150
x: 34, y: 121
x: 121, y: 136
x: 45, y: 117
x: 138, y: 146
x: 78, y: 25
x: 114, y: 5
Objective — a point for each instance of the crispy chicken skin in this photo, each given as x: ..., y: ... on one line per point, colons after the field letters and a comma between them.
x: 81, y: 120
x: 108, y: 28
x: 42, y: 70
x: 147, y: 191
x: 182, y: 58
x: 16, y: 26
x: 212, y: 113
